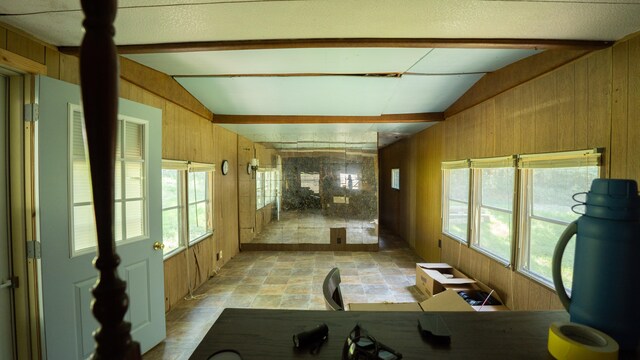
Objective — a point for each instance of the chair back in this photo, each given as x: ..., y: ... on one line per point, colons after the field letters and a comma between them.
x: 331, y: 290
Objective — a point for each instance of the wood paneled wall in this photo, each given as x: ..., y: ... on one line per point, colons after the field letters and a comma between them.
x: 187, y: 134
x: 590, y: 102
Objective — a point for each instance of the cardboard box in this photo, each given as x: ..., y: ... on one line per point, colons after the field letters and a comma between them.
x: 411, y: 306
x: 338, y: 236
x: 479, y: 286
x: 448, y: 300
x: 434, y: 278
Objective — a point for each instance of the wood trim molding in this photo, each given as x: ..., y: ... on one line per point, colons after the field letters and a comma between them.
x: 539, y: 44
x: 311, y: 119
x: 162, y: 85
x: 511, y: 76
x: 21, y: 63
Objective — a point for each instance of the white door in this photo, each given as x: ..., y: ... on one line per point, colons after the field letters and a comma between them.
x: 6, y: 309
x: 67, y: 229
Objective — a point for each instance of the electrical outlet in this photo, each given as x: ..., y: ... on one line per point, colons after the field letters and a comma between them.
x: 219, y: 255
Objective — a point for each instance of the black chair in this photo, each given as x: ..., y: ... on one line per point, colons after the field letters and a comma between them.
x: 331, y: 290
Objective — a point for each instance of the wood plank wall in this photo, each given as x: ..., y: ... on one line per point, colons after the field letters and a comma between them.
x: 593, y: 101
x: 187, y: 134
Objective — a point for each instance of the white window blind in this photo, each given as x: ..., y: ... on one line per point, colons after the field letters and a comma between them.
x: 589, y: 157
x: 130, y: 219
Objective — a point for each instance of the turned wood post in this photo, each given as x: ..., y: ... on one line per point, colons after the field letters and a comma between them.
x: 99, y: 82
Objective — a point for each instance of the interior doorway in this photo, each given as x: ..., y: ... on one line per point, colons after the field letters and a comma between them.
x: 6, y: 285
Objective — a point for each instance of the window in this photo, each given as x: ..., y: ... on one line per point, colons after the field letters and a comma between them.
x: 185, y: 186
x: 310, y: 181
x: 268, y: 184
x: 130, y: 184
x: 266, y: 187
x: 549, y: 182
x: 395, y: 179
x: 173, y: 173
x: 492, y: 206
x: 455, y: 199
x: 259, y: 189
x: 199, y: 194
x: 349, y: 181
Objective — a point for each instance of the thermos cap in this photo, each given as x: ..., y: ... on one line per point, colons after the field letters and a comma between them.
x: 614, y: 199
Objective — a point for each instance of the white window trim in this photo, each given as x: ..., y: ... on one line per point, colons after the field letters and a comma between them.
x: 446, y: 167
x: 522, y: 205
x: 577, y: 158
x: 181, y: 167
x: 476, y: 207
x: 184, y: 168
x: 145, y: 187
x: 209, y: 169
x: 395, y: 178
x: 71, y: 108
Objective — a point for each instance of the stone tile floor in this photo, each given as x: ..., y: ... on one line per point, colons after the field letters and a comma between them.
x: 313, y: 227
x: 288, y: 280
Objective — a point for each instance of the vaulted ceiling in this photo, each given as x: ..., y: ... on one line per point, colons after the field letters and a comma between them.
x: 226, y: 53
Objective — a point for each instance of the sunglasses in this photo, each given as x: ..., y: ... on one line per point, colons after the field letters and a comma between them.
x: 362, y: 346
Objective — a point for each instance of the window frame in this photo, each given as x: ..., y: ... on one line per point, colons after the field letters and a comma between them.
x: 181, y: 168
x: 395, y: 178
x: 184, y: 168
x: 260, y: 186
x: 209, y: 170
x: 315, y: 177
x: 477, y: 204
x: 447, y: 167
x: 121, y: 162
x: 525, y: 208
x: 355, y: 181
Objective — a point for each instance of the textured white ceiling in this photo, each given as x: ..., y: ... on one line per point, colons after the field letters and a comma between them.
x: 148, y: 21
x: 168, y: 21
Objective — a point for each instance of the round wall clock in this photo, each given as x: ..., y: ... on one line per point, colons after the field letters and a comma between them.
x: 225, y: 167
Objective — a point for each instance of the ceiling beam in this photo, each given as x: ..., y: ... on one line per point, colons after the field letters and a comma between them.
x: 316, y: 119
x: 534, y: 44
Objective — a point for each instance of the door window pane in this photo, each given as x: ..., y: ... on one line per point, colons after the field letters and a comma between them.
x: 130, y: 181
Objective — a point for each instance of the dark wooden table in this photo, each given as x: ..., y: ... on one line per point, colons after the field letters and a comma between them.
x: 267, y: 334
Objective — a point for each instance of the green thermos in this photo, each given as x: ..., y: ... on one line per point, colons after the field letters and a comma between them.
x: 605, y: 293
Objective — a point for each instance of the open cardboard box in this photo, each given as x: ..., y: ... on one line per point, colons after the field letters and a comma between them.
x: 433, y: 278
x: 448, y: 300
x: 442, y: 291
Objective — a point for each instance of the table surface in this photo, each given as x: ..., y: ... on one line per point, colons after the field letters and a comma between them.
x: 267, y: 334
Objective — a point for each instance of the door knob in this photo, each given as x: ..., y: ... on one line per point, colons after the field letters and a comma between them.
x: 158, y: 245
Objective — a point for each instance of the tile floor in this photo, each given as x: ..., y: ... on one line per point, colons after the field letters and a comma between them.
x: 289, y: 280
x: 313, y: 227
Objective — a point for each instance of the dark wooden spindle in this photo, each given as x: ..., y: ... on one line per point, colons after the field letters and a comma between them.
x: 99, y: 82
